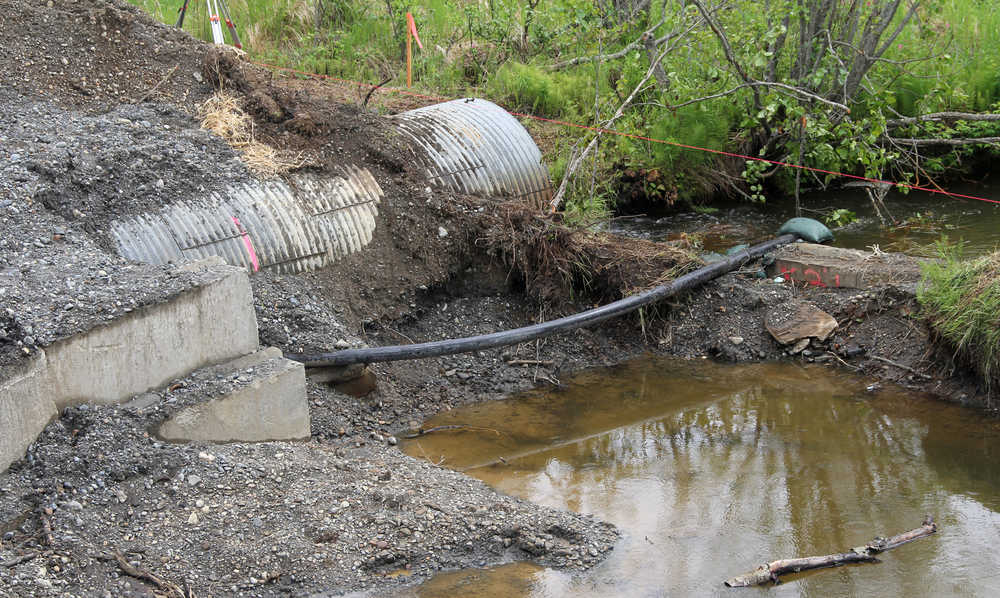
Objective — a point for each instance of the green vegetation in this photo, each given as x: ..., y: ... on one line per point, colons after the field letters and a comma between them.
x: 961, y: 302
x: 816, y: 82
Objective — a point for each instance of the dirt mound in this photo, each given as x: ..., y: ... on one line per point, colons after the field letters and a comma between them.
x: 93, y: 54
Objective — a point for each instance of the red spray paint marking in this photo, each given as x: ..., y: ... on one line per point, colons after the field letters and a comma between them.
x: 246, y: 243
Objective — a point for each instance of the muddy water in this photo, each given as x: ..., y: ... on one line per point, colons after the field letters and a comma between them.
x: 710, y: 470
x: 926, y: 217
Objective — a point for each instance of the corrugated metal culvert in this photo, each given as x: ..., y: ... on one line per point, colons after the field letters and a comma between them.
x: 474, y: 146
x: 303, y: 225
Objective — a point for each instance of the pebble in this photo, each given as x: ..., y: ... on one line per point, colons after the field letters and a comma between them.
x: 193, y: 480
x: 736, y: 340
x: 442, y: 232
x: 193, y: 519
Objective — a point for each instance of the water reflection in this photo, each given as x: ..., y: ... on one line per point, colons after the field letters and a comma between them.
x: 710, y: 470
x: 928, y: 215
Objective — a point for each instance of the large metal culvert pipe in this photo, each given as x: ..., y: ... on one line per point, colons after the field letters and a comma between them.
x: 475, y: 147
x: 297, y: 227
x: 529, y: 333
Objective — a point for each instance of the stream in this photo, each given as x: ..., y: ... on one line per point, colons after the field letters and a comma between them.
x: 710, y: 470
x: 924, y: 217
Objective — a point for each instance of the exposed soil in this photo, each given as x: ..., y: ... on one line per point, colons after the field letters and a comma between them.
x: 344, y: 510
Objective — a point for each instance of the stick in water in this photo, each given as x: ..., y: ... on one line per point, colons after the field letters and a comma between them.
x: 861, y: 554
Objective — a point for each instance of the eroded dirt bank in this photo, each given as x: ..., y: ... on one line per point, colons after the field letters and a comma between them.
x: 99, y: 507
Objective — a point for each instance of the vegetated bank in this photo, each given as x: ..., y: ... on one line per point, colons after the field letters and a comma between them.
x: 874, y: 89
x: 98, y: 506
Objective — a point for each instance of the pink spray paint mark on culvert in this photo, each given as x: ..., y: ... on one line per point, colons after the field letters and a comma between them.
x: 248, y: 244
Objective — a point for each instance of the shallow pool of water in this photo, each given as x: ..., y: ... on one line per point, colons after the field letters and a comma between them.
x: 929, y: 216
x: 710, y: 470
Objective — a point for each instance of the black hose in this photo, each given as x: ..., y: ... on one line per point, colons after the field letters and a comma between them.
x: 528, y: 333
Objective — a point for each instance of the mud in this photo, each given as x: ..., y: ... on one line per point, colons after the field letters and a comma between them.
x: 345, y: 509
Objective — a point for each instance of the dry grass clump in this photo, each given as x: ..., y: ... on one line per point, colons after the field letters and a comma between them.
x: 961, y: 302
x: 558, y: 263
x: 223, y: 115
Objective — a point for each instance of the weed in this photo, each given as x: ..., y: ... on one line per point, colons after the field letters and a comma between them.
x: 961, y: 302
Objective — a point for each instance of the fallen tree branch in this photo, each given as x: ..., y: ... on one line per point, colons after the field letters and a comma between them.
x: 939, y: 116
x: 955, y: 142
x: 860, y: 554
x: 900, y: 366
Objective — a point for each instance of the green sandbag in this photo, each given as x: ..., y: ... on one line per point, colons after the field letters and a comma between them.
x: 807, y: 229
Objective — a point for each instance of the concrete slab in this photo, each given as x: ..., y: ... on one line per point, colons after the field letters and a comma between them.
x: 256, y: 398
x: 137, y: 351
x: 25, y: 409
x: 211, y: 323
x: 824, y: 266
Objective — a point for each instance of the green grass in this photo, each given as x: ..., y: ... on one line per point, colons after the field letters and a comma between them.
x: 961, y: 302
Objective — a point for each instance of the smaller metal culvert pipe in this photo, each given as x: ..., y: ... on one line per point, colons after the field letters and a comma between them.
x: 474, y: 146
x: 287, y: 228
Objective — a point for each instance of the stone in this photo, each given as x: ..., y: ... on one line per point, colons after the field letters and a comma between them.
x: 193, y: 518
x: 788, y: 323
x: 736, y: 340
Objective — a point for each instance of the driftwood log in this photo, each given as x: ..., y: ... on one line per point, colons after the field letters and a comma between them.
x: 861, y: 554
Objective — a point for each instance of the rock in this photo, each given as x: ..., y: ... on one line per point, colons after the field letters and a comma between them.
x: 193, y: 480
x: 736, y: 340
x: 341, y: 344
x: 788, y: 323
x: 74, y: 505
x: 392, y: 441
x: 799, y: 346
x: 193, y: 518
x: 442, y: 232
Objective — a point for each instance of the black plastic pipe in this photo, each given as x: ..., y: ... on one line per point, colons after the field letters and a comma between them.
x: 529, y: 333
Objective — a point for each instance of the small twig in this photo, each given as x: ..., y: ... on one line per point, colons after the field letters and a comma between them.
x: 540, y: 362
x: 372, y: 90
x: 45, y: 515
x: 17, y: 560
x: 400, y: 334
x: 451, y: 427
x: 901, y: 366
x: 845, y: 364
x: 157, y: 86
x: 171, y: 589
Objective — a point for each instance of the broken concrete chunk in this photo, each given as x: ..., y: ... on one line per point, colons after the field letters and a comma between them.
x: 789, y: 323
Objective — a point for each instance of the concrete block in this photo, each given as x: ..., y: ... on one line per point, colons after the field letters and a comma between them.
x: 257, y: 398
x: 139, y: 351
x: 152, y: 345
x: 25, y: 408
x: 825, y: 266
